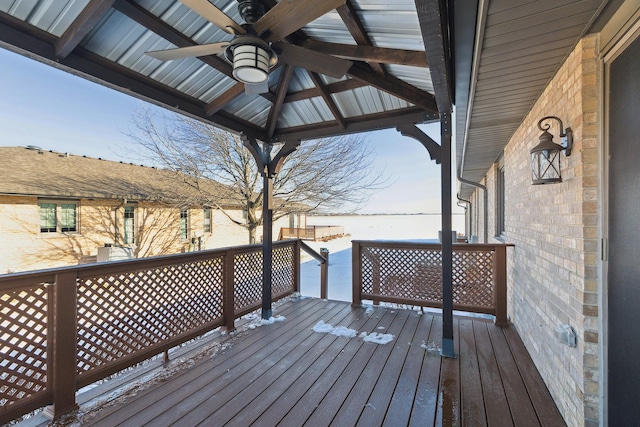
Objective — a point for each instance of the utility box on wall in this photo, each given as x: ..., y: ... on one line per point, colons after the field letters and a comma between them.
x: 114, y: 253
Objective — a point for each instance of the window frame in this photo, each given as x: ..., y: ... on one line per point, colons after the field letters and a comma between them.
x: 207, y: 219
x: 66, y: 220
x: 125, y: 233
x: 183, y: 230
x: 500, y: 200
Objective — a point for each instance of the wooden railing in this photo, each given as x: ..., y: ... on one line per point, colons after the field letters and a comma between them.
x: 411, y: 273
x: 65, y: 328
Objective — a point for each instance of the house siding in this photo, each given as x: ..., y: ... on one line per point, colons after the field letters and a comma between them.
x: 101, y: 222
x: 552, y: 271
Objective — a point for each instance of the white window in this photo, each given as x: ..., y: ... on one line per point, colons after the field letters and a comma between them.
x: 184, y: 224
x: 206, y: 222
x: 58, y: 217
x: 129, y: 237
x: 500, y: 202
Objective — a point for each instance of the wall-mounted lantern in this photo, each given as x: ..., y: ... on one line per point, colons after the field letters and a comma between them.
x: 545, y: 157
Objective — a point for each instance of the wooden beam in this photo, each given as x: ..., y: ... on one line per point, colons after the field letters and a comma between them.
x: 336, y: 87
x: 222, y: 100
x: 167, y: 32
x: 81, y: 26
x: 434, y: 25
x: 274, y: 112
x: 357, y: 31
x: 326, y: 96
x: 366, y: 123
x: 395, y: 87
x: 369, y: 54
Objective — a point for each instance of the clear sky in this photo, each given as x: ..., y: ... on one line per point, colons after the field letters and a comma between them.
x: 43, y: 106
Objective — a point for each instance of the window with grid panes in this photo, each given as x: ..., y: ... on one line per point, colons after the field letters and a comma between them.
x: 129, y: 225
x: 58, y: 217
x: 184, y: 224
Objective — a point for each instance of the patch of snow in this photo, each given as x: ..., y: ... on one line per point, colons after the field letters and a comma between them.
x: 339, y: 331
x: 343, y: 331
x: 261, y: 322
x: 380, y: 327
x: 432, y: 347
x: 369, y: 309
x: 377, y: 338
x: 322, y: 327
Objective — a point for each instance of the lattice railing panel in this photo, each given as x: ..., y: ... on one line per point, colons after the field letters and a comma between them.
x: 416, y: 274
x: 282, y: 279
x: 473, y: 278
x: 121, y: 314
x: 247, y: 279
x: 23, y: 344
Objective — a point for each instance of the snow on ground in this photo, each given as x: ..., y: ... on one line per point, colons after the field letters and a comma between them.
x: 422, y: 228
x: 343, y: 331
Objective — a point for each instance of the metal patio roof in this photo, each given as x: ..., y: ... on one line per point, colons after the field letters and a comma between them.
x: 106, y: 41
x: 503, y: 54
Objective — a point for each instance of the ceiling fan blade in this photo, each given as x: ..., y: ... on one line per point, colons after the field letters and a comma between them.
x: 311, y: 60
x: 378, y: 55
x: 291, y: 15
x: 257, y: 88
x: 189, y: 51
x: 214, y: 15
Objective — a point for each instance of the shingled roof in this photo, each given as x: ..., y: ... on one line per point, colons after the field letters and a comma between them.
x: 36, y: 172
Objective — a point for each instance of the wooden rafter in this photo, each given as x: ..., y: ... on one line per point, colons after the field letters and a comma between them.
x: 326, y: 96
x: 370, y: 54
x: 395, y: 87
x: 82, y: 25
x: 336, y: 87
x: 274, y: 112
x: 364, y: 123
x: 167, y: 32
x: 222, y: 100
x: 357, y: 31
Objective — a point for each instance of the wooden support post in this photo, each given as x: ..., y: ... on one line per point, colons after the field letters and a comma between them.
x: 296, y: 266
x: 269, y: 168
x: 356, y: 275
x: 267, y: 245
x: 228, y: 297
x: 500, y: 284
x: 324, y: 274
x: 447, y: 349
x: 63, y: 345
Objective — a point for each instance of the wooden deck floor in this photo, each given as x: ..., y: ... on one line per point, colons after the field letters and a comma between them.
x: 288, y: 375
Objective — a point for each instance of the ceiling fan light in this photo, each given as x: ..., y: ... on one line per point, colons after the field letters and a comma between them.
x: 250, y: 63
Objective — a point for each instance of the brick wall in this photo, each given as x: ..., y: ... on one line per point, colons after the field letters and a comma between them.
x: 552, y: 275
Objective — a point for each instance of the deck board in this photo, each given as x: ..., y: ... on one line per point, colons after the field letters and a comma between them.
x: 403, y: 395
x: 473, y: 412
x: 285, y: 374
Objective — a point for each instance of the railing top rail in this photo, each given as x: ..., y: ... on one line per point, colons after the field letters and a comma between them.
x: 429, y: 245
x: 28, y: 278
x: 308, y: 249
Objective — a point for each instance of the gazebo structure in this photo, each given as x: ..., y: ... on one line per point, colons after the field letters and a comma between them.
x: 280, y: 73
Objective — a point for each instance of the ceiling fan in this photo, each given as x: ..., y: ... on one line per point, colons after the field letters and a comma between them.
x: 256, y: 46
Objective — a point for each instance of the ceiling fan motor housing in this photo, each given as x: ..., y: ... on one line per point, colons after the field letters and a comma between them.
x: 250, y: 10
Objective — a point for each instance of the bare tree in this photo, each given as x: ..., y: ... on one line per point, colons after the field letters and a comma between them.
x: 321, y: 175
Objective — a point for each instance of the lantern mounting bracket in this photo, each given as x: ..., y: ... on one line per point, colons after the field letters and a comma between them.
x: 565, y: 134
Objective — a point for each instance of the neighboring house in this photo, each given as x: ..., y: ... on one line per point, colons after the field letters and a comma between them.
x: 58, y: 209
x: 576, y: 256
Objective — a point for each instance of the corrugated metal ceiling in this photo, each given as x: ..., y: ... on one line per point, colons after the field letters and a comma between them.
x: 124, y: 33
